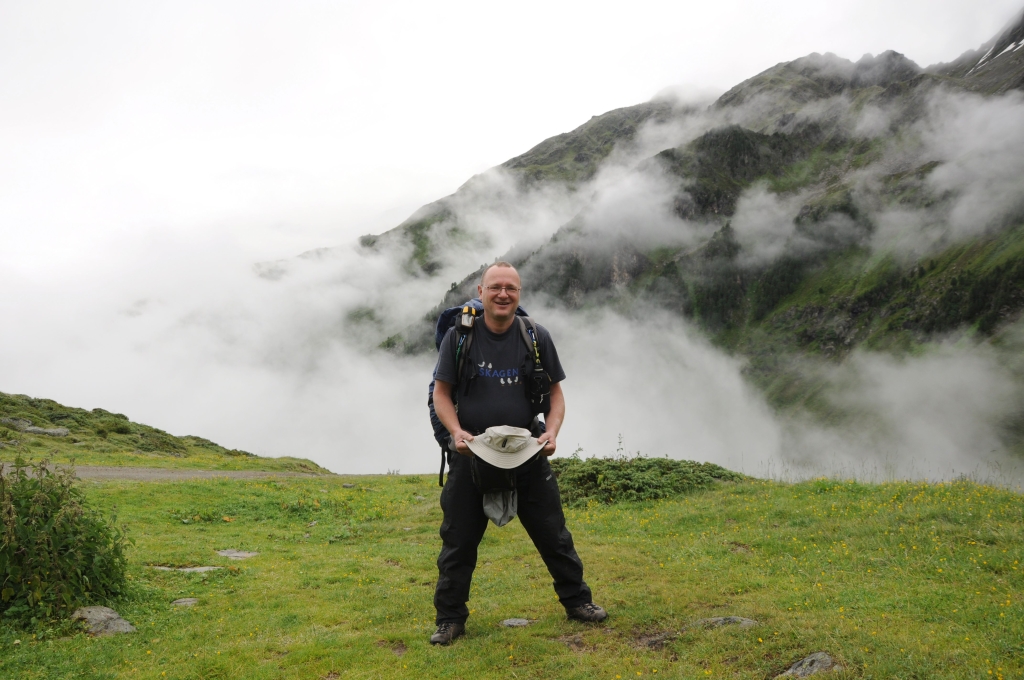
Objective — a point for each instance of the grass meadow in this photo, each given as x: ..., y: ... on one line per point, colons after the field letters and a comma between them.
x: 898, y: 580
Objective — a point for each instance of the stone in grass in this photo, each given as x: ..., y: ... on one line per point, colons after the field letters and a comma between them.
x: 102, y: 621
x: 188, y: 570
x: 819, y: 662
x: 236, y: 554
x: 719, y: 621
x: 516, y: 623
x: 48, y: 431
x: 348, y: 486
x: 185, y: 602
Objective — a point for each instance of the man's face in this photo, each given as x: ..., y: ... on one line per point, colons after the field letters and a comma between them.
x: 500, y: 305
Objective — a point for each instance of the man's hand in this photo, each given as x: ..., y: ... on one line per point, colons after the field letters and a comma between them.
x: 460, y: 437
x: 444, y: 407
x: 548, y: 440
x: 553, y: 420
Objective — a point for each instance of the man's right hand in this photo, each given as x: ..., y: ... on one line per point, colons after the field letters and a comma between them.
x: 460, y: 437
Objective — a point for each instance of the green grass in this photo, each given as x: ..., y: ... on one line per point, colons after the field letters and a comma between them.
x: 897, y: 580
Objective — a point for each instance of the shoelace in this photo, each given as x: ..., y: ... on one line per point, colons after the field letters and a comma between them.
x: 589, y: 607
x: 445, y: 628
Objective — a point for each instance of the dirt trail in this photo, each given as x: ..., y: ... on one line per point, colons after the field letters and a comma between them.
x: 145, y: 474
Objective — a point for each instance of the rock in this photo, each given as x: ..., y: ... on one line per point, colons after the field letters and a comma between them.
x: 102, y: 621
x: 312, y: 524
x: 348, y: 486
x: 16, y: 423
x: 819, y: 662
x: 52, y: 432
x: 188, y: 570
x: 236, y: 554
x: 719, y: 621
x: 420, y: 498
x: 516, y: 623
x: 185, y: 602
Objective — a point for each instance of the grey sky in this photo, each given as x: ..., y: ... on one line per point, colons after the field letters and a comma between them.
x: 286, y: 126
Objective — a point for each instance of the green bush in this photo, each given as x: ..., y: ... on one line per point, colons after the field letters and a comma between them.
x: 55, y: 552
x: 613, y: 480
x: 117, y: 426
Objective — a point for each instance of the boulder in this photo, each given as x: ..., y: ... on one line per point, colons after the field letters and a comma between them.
x: 185, y: 602
x: 819, y: 662
x: 237, y: 554
x: 516, y: 623
x: 50, y: 432
x: 102, y: 621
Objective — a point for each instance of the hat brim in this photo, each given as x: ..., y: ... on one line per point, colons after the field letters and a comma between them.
x: 505, y: 461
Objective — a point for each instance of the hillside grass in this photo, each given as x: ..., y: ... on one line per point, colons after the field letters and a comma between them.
x: 100, y: 437
x: 902, y: 580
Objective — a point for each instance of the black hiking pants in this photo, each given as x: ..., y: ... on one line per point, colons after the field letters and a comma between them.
x: 540, y: 511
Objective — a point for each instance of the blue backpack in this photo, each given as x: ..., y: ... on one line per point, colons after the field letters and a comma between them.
x: 462, y: 318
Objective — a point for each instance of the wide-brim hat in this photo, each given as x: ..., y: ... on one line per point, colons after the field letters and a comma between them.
x: 504, y: 446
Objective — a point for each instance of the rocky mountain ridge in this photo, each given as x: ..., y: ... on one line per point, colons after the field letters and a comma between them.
x: 798, y: 132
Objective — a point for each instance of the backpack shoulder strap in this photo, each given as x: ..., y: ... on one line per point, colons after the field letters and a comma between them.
x: 464, y: 342
x: 528, y: 329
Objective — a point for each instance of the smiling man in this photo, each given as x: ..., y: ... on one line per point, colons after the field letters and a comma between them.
x: 496, y: 392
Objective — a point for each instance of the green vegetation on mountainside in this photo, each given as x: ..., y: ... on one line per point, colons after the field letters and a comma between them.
x: 575, y: 156
x: 893, y: 580
x: 99, y: 437
x: 822, y: 158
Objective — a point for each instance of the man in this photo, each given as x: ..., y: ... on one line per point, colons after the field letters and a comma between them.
x: 498, y: 350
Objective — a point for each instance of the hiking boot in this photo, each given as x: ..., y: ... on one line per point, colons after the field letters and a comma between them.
x: 447, y: 632
x: 587, y: 613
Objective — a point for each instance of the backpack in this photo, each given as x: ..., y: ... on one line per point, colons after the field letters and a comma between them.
x: 463, y: 318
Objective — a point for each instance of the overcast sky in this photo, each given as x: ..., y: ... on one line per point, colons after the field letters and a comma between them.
x: 282, y: 126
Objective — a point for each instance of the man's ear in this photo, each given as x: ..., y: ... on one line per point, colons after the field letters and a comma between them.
x: 480, y: 291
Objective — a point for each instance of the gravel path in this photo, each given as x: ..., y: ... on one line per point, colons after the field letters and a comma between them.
x: 144, y: 474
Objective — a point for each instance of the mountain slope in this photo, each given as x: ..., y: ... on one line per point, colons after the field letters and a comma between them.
x: 819, y: 207
x: 37, y: 428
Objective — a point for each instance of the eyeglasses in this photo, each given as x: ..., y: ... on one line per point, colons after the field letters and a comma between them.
x: 494, y: 290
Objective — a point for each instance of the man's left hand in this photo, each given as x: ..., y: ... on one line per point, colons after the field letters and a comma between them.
x: 548, y: 440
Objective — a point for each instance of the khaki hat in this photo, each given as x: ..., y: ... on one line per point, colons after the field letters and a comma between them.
x: 504, y: 446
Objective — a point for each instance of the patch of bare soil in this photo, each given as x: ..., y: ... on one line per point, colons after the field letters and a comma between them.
x: 576, y: 643
x: 396, y: 646
x: 654, y: 640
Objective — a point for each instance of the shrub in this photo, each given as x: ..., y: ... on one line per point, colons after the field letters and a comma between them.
x: 55, y: 552
x: 117, y: 426
x: 613, y: 480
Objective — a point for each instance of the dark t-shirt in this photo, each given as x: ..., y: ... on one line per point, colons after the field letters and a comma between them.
x: 502, y: 362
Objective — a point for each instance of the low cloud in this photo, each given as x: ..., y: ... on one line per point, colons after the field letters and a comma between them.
x: 765, y: 224
x: 980, y: 142
x: 934, y: 416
